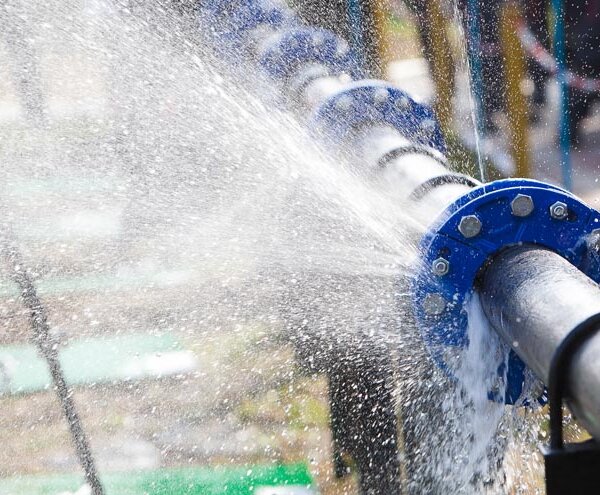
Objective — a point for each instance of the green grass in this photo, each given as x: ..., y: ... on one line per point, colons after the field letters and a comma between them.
x: 182, y: 481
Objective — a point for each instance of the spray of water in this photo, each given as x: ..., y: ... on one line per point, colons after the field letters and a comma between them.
x: 464, y: 70
x: 151, y: 190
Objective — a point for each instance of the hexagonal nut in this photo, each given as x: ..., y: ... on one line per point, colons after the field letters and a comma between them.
x: 440, y: 267
x: 469, y: 226
x: 344, y: 103
x: 317, y: 39
x: 402, y: 103
x: 342, y: 49
x: 559, y: 210
x: 593, y: 240
x: 522, y: 205
x: 428, y: 127
x: 381, y: 96
x: 434, y: 304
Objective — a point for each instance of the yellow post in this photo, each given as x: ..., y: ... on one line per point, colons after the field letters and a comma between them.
x: 514, y: 74
x: 380, y: 12
x: 442, y: 66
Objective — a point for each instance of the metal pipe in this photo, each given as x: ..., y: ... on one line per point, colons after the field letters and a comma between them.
x: 533, y: 298
x: 408, y: 167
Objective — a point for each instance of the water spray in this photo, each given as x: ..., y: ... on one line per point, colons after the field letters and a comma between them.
x: 529, y: 249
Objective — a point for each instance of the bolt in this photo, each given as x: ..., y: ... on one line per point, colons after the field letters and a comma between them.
x: 469, y: 226
x: 380, y: 96
x: 344, y: 103
x: 402, y: 103
x: 559, y: 210
x: 318, y: 40
x: 522, y: 205
x: 440, y: 267
x: 593, y: 240
x: 434, y: 304
x: 341, y: 50
x: 428, y: 126
x: 345, y: 78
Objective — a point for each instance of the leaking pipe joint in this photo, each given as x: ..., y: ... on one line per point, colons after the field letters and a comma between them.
x: 471, y: 233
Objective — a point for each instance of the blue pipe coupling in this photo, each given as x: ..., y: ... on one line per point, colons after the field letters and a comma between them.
x: 368, y: 103
x: 287, y: 47
x: 469, y: 233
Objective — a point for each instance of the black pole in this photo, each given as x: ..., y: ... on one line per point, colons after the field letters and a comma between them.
x: 47, y: 348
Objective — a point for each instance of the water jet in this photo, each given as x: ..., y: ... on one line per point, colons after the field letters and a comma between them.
x: 522, y: 245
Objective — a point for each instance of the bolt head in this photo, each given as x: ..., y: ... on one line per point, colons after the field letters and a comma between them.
x: 344, y: 103
x: 593, y: 240
x: 428, y: 127
x: 440, y: 267
x: 402, y: 103
x: 318, y: 40
x: 522, y: 205
x: 342, y: 49
x: 469, y: 226
x: 434, y: 304
x: 559, y: 210
x: 381, y: 96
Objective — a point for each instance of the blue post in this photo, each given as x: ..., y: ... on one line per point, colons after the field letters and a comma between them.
x: 475, y: 72
x: 563, y: 105
x: 355, y: 23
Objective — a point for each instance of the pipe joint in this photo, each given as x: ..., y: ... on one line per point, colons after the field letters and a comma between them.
x: 369, y: 103
x: 289, y: 49
x: 232, y: 22
x: 470, y: 232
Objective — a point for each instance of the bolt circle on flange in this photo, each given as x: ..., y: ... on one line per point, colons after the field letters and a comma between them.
x: 559, y: 210
x: 377, y: 103
x: 522, y: 206
x: 469, y: 226
x: 440, y: 301
x: 440, y: 267
x: 282, y: 54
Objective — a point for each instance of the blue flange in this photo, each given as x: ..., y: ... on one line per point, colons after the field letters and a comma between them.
x: 231, y: 21
x: 371, y: 102
x: 451, y: 260
x: 290, y: 48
